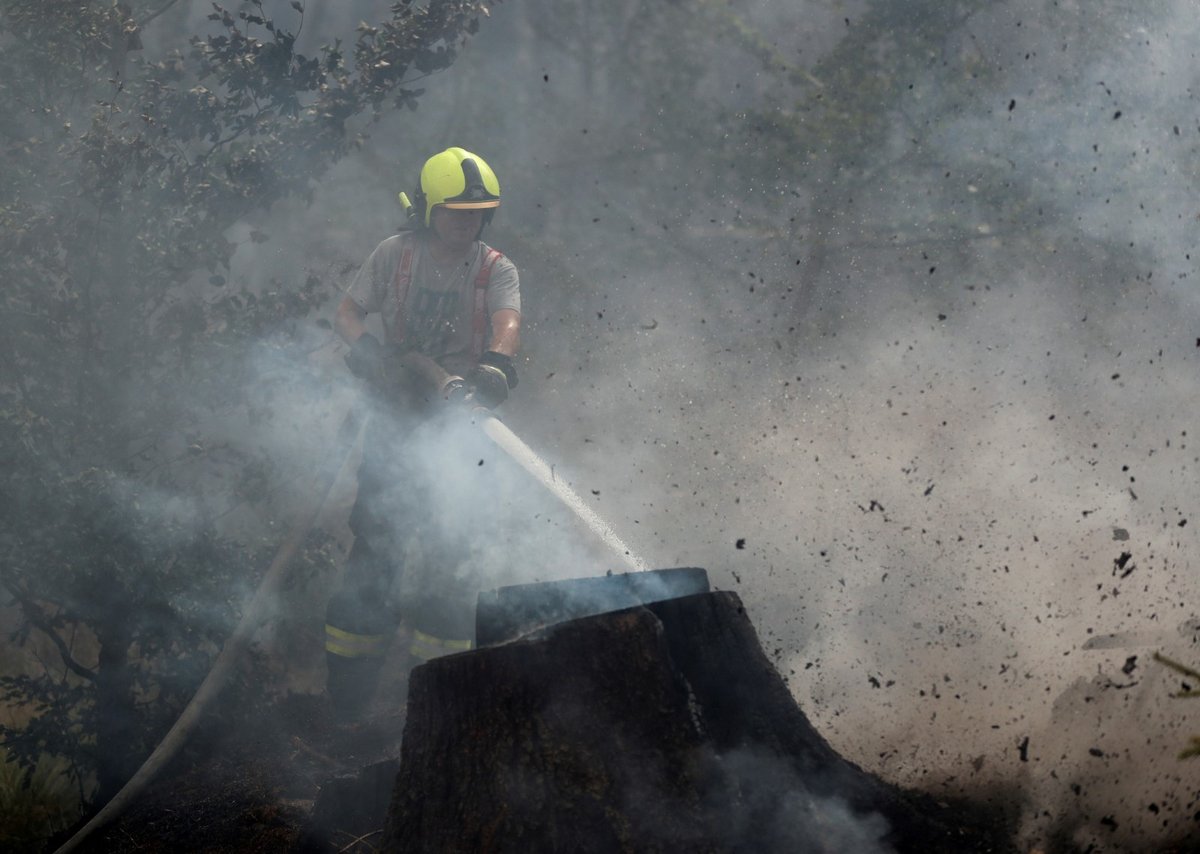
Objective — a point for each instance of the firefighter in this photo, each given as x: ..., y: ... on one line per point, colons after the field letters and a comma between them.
x: 444, y: 294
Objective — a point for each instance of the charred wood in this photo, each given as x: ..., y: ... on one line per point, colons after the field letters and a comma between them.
x: 656, y: 728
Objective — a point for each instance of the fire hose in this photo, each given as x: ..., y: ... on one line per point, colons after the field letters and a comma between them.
x: 256, y: 611
x: 508, y: 442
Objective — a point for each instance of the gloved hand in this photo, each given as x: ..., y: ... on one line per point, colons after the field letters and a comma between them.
x: 491, y: 379
x: 366, y: 358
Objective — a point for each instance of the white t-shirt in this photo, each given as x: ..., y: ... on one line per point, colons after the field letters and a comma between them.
x: 439, y: 306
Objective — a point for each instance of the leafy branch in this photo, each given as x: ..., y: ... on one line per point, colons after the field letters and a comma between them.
x: 48, y: 626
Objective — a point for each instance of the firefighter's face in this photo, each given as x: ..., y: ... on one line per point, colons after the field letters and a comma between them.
x: 456, y: 229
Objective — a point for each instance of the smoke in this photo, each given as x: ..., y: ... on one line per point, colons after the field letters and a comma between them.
x: 767, y: 807
x: 921, y: 468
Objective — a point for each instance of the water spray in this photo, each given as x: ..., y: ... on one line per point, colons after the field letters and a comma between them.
x: 450, y: 386
x: 524, y: 456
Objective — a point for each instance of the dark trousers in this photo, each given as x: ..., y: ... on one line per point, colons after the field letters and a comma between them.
x: 411, y: 558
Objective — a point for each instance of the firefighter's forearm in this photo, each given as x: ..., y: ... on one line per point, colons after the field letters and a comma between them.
x: 506, y: 332
x: 349, y: 322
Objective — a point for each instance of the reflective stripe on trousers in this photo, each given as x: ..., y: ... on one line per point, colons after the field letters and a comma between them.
x: 351, y: 645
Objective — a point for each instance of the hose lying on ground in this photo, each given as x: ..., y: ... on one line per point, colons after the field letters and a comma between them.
x: 230, y: 653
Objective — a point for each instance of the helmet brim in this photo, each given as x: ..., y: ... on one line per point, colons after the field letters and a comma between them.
x: 470, y: 206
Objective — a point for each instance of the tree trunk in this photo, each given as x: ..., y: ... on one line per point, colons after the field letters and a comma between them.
x: 657, y: 728
x: 116, y: 728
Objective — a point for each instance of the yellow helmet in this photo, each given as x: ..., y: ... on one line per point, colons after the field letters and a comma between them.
x: 457, y: 179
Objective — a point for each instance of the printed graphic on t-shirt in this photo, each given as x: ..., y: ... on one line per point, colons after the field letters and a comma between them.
x: 432, y: 320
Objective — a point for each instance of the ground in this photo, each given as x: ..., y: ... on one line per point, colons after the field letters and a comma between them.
x: 251, y: 785
x: 281, y: 776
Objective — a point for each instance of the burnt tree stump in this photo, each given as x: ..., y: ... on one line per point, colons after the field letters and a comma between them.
x: 507, y: 613
x: 662, y: 727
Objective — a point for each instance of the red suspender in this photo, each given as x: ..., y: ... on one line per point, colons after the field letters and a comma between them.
x: 481, y: 320
x: 403, y: 280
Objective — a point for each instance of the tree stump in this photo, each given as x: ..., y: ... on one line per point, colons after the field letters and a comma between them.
x: 507, y: 613
x: 657, y: 728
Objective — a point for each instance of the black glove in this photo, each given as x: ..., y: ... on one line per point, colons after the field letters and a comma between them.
x: 366, y: 358
x: 504, y: 363
x: 491, y: 379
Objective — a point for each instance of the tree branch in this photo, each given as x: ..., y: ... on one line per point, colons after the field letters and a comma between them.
x: 1182, y: 669
x: 155, y: 14
x: 42, y: 622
